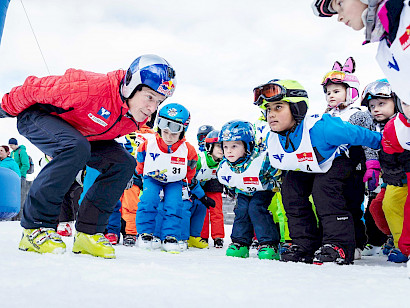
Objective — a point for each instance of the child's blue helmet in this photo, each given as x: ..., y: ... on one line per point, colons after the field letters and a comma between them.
x: 173, y: 117
x: 152, y: 71
x: 211, y: 138
x: 237, y: 130
x: 203, y: 132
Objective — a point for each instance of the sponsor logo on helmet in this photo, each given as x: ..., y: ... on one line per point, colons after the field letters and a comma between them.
x: 304, y: 156
x: 226, y: 134
x: 204, y: 127
x: 104, y: 113
x: 253, y: 180
x: 167, y: 88
x: 177, y: 160
x: 405, y: 38
x: 172, y: 112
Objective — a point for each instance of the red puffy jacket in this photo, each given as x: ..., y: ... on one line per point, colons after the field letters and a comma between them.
x: 90, y: 102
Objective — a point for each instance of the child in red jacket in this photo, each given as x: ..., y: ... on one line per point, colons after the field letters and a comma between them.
x: 165, y: 160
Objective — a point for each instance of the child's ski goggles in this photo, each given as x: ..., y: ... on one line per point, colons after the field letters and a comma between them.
x: 172, y: 126
x: 272, y: 92
x: 334, y: 76
x: 201, y: 138
x: 377, y: 89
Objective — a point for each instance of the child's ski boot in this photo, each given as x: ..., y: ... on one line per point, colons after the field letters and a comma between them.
x: 93, y: 244
x: 112, y: 237
x: 170, y: 244
x: 296, y: 253
x: 237, y: 250
x: 129, y: 240
x: 268, y: 252
x: 370, y: 250
x: 145, y: 241
x: 397, y: 256
x: 330, y: 253
x: 64, y: 229
x: 42, y: 240
x: 218, y: 242
x: 197, y: 242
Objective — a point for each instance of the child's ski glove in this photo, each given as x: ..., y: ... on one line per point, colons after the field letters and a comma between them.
x: 372, y: 174
x: 208, y: 202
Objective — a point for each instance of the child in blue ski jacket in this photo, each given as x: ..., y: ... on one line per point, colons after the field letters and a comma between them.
x: 246, y: 168
x: 165, y: 160
x: 314, y: 150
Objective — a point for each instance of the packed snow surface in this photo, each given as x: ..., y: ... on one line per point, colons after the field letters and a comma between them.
x: 195, y: 278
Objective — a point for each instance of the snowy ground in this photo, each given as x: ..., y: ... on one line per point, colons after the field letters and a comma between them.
x: 196, y: 278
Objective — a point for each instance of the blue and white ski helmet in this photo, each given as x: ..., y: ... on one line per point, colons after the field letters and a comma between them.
x: 175, y: 113
x: 152, y: 71
x: 237, y: 130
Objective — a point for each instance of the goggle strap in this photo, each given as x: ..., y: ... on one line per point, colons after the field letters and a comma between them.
x: 296, y: 93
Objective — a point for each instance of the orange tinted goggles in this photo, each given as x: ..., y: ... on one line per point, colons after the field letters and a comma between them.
x: 269, y: 92
x: 333, y: 76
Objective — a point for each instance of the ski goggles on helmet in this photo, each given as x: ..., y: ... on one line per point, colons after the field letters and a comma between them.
x: 272, y: 92
x: 172, y: 126
x: 379, y: 89
x: 334, y: 76
x: 201, y: 138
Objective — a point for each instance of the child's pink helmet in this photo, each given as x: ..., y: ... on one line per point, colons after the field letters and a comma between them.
x: 344, y: 75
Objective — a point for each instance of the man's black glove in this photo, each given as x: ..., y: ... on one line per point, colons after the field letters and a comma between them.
x: 4, y: 114
x: 208, y: 202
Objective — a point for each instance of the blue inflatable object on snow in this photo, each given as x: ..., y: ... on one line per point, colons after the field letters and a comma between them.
x: 10, y: 188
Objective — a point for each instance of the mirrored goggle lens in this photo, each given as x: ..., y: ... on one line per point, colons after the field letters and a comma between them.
x: 267, y: 91
x: 378, y: 90
x: 172, y: 126
x: 333, y: 76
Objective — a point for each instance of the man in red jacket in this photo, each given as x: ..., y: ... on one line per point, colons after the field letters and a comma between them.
x: 75, y: 118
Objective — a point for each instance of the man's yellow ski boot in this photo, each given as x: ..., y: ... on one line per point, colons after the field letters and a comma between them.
x: 93, y: 244
x: 42, y: 240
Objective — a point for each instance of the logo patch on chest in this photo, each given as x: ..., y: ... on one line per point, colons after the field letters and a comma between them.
x: 305, y: 156
x: 405, y: 38
x: 154, y: 156
x: 226, y: 178
x: 104, y: 113
x: 97, y: 120
x: 252, y: 180
x: 177, y: 160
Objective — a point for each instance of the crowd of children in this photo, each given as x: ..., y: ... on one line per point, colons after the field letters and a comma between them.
x: 312, y: 170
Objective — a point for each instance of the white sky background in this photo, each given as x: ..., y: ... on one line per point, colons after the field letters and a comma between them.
x: 220, y: 50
